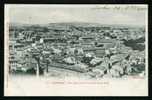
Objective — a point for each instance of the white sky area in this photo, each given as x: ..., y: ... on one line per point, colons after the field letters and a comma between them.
x: 44, y: 14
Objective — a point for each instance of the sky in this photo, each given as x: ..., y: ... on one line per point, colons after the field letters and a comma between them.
x: 104, y: 14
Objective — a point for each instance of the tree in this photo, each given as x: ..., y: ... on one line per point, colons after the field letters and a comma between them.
x: 36, y: 53
x: 36, y: 56
x: 46, y: 59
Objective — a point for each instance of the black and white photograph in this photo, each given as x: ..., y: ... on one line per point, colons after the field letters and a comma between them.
x: 96, y: 50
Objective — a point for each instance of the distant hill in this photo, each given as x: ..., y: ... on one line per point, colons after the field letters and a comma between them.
x: 76, y: 24
x: 69, y: 24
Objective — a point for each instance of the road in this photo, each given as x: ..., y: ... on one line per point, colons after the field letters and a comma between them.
x: 62, y: 73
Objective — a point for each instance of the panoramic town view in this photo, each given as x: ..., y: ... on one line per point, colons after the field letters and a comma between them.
x: 77, y: 49
x: 77, y: 41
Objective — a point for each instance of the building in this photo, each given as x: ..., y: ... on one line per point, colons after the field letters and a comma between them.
x: 106, y: 43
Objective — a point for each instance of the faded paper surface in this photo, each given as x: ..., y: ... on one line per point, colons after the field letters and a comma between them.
x: 71, y: 83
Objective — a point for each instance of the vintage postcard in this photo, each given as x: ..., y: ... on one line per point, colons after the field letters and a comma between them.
x: 76, y: 50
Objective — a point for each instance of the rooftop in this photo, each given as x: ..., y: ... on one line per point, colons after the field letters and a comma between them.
x: 106, y: 41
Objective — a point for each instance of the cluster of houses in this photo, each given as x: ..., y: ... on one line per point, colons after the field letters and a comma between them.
x: 72, y: 41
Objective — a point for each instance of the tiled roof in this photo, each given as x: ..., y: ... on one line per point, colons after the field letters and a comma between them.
x: 106, y: 41
x: 93, y: 48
